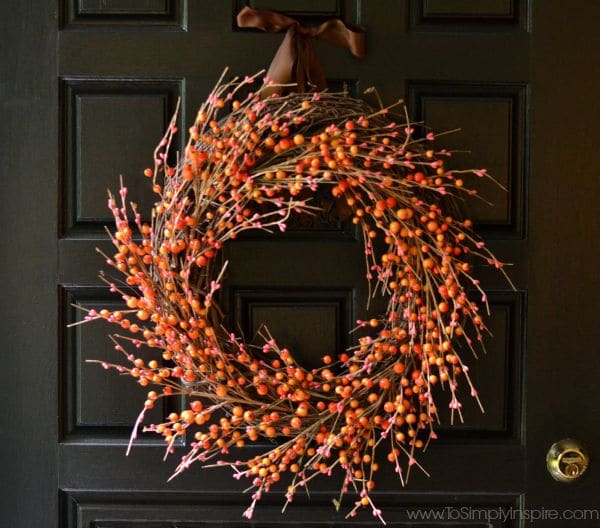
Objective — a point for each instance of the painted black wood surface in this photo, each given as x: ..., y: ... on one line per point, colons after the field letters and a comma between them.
x: 87, y: 88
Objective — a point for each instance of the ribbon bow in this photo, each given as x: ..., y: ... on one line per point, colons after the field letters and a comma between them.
x: 296, y: 61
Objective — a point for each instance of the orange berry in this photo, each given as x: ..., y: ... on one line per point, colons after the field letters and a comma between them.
x: 395, y: 227
x: 389, y: 407
x: 132, y: 302
x: 270, y: 432
x: 384, y: 383
x: 432, y: 226
x: 187, y: 416
x: 189, y: 376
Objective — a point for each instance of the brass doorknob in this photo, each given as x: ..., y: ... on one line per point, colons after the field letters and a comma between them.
x: 567, y: 460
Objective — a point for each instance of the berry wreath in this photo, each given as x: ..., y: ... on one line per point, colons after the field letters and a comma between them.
x: 252, y: 163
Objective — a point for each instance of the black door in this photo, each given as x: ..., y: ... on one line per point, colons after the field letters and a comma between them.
x: 87, y: 90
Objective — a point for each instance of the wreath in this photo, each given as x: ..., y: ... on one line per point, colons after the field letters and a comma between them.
x: 253, y: 163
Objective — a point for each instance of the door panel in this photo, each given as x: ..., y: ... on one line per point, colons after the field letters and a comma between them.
x: 156, y: 14
x: 110, y: 128
x: 493, y: 123
x: 469, y: 15
x: 501, y: 71
x: 99, y: 510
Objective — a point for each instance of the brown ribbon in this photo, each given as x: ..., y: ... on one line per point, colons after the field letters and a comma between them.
x: 296, y: 61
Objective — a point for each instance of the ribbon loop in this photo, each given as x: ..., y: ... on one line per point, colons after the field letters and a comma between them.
x: 296, y: 61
